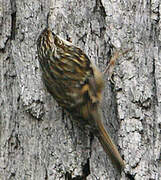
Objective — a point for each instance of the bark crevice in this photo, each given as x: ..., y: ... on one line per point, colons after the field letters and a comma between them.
x: 13, y: 19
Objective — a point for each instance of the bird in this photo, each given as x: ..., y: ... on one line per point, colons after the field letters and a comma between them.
x: 77, y: 85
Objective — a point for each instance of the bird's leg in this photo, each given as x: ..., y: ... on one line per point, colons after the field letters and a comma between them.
x: 110, y: 67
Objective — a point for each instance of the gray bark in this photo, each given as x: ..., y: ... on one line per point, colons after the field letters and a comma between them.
x: 37, y: 138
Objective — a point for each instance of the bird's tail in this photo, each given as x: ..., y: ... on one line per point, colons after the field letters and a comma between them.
x: 107, y: 143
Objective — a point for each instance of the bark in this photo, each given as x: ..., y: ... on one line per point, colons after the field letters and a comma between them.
x: 37, y: 138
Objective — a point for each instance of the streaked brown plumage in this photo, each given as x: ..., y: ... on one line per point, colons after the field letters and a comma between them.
x: 76, y: 84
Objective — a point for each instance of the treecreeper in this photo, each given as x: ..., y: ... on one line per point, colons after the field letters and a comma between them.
x: 77, y: 85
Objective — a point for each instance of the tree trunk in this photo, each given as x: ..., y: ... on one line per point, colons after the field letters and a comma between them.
x: 38, y: 141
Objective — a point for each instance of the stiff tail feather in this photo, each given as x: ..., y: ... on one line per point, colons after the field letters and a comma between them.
x: 107, y: 143
x: 109, y: 147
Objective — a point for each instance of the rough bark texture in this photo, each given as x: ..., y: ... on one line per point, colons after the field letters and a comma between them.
x: 37, y: 139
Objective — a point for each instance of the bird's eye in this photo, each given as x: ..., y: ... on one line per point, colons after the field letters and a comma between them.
x: 58, y: 41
